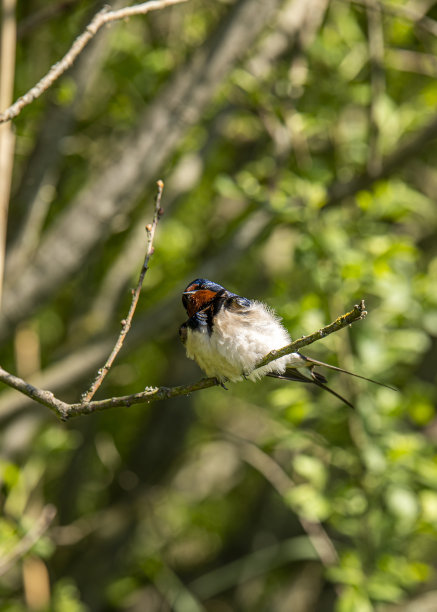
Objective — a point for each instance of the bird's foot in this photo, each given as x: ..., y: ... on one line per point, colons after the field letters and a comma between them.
x: 222, y: 383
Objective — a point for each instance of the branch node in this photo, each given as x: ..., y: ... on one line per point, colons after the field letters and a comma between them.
x: 361, y: 307
x: 63, y: 415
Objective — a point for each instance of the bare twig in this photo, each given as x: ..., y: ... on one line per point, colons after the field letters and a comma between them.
x: 7, y: 68
x: 75, y: 366
x: 151, y: 394
x: 100, y: 19
x: 126, y: 323
x: 32, y: 536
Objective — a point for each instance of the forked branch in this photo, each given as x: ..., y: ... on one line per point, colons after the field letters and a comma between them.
x: 152, y: 394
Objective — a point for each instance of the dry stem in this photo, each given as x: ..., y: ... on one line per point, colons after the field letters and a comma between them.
x: 126, y: 323
x: 7, y: 138
x: 100, y: 19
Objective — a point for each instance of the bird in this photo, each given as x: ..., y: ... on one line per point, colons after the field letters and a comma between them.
x: 228, y: 335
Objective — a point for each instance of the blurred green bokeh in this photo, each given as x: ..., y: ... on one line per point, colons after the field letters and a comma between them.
x: 307, y: 181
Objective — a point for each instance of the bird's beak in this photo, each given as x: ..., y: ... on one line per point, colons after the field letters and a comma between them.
x: 188, y: 292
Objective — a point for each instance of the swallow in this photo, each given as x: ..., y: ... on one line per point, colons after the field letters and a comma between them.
x: 227, y: 335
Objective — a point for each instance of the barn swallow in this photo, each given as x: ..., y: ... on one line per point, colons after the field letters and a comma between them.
x: 227, y: 335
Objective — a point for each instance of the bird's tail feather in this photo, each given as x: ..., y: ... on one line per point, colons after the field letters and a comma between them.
x: 316, y: 379
x: 309, y: 360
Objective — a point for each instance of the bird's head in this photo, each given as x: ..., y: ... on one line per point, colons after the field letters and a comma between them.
x: 200, y: 293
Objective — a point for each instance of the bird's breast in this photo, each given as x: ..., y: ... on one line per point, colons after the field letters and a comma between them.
x: 236, y: 342
x: 206, y: 348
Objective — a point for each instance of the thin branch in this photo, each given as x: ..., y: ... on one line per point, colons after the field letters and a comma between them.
x: 31, y: 537
x: 42, y: 396
x: 126, y: 323
x: 8, y: 37
x: 115, y: 282
x: 100, y: 19
x: 151, y: 394
x: 77, y: 364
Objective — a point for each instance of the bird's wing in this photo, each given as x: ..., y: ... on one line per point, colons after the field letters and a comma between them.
x: 237, y: 304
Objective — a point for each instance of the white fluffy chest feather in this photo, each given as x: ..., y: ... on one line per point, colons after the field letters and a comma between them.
x: 238, y: 341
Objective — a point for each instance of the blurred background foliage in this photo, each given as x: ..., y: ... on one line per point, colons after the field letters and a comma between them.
x: 305, y: 177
